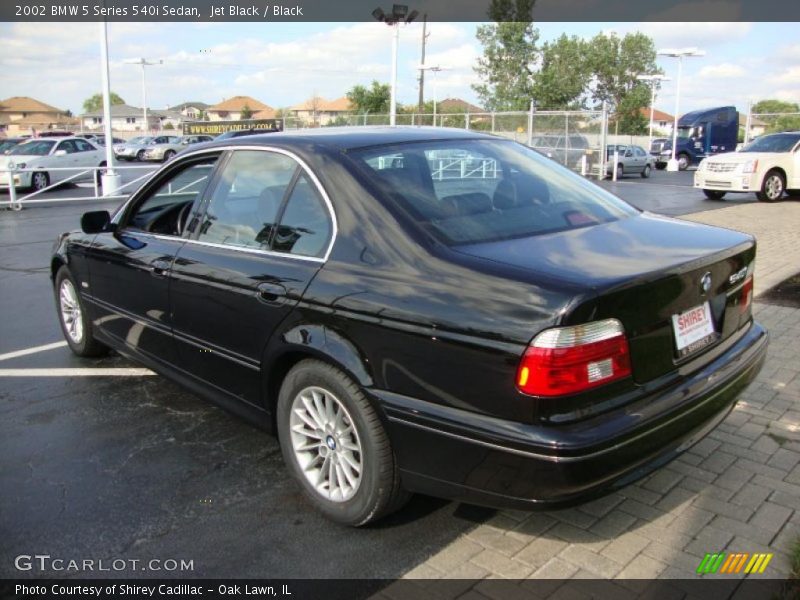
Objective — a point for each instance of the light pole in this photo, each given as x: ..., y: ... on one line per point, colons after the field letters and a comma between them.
x: 145, y: 63
x: 433, y: 69
x: 672, y: 164
x: 399, y: 14
x: 652, y: 79
x: 110, y: 180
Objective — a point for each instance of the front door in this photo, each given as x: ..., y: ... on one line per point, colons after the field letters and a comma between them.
x: 263, y: 236
x: 129, y: 268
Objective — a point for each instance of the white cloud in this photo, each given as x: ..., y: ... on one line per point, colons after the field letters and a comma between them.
x: 722, y: 71
x: 705, y: 35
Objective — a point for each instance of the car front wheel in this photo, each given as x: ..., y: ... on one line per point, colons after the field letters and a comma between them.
x: 335, y: 446
x: 772, y: 187
x: 75, y: 324
x: 683, y: 162
x: 40, y: 180
x: 168, y: 155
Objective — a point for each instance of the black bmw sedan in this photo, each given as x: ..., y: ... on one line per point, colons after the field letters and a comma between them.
x: 420, y: 310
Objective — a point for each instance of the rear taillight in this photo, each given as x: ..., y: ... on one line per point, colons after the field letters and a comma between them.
x: 746, y: 297
x: 566, y: 360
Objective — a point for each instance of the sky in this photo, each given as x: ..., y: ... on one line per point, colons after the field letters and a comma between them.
x: 282, y: 64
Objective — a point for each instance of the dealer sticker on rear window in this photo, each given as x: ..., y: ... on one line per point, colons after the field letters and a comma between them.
x: 694, y: 329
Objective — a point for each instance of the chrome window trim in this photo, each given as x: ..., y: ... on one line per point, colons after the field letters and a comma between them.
x: 260, y: 251
x: 293, y: 156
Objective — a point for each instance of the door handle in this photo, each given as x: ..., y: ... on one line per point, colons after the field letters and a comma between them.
x: 159, y: 267
x: 270, y: 292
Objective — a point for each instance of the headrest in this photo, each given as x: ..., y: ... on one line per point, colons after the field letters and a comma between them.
x: 471, y: 203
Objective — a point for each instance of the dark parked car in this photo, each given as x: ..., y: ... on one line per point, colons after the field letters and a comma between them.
x: 505, y: 334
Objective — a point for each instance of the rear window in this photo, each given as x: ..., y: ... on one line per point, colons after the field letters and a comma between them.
x: 474, y: 191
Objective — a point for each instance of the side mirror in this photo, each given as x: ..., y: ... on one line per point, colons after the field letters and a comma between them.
x: 97, y: 221
x: 60, y: 153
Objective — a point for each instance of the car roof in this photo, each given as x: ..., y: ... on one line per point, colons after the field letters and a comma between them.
x: 58, y: 138
x: 348, y: 138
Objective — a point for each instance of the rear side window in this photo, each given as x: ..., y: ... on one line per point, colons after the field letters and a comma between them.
x: 475, y: 191
x: 305, y: 227
x: 244, y: 205
x: 265, y: 201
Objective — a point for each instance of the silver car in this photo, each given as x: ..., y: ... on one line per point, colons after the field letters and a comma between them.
x: 166, y: 150
x: 135, y: 148
x: 631, y: 160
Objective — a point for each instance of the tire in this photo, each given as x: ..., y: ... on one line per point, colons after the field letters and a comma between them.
x: 646, y: 172
x: 140, y: 156
x: 683, y: 161
x: 620, y: 171
x: 75, y: 324
x: 793, y: 193
x: 40, y: 180
x: 369, y: 485
x: 772, y: 187
x: 661, y: 166
x: 168, y: 155
x: 714, y: 194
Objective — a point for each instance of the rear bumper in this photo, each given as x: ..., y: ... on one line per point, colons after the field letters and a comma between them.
x: 478, y: 459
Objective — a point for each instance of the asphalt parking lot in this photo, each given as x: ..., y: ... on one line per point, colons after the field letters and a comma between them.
x: 110, y: 462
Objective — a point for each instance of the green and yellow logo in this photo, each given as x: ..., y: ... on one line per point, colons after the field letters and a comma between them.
x: 733, y: 563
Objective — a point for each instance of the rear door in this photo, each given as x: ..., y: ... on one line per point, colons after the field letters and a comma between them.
x: 265, y: 232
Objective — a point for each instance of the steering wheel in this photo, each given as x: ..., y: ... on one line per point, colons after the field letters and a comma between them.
x: 180, y: 224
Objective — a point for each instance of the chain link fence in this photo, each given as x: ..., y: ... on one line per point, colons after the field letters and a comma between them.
x: 572, y: 138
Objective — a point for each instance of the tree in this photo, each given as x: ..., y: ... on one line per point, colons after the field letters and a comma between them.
x: 95, y: 103
x: 778, y: 122
x: 375, y: 99
x: 509, y: 49
x: 615, y: 65
x: 564, y: 70
x: 246, y: 113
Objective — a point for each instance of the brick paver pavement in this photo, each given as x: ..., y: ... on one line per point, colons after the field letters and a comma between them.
x: 738, y: 489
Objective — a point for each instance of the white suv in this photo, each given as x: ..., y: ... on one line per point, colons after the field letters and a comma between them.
x: 768, y: 166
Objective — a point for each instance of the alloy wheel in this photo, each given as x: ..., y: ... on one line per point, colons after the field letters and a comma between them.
x: 773, y: 187
x: 326, y: 444
x: 71, y: 314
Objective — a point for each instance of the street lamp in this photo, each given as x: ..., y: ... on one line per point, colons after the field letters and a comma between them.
x: 433, y: 69
x: 652, y: 79
x: 145, y: 63
x: 672, y: 165
x: 399, y: 14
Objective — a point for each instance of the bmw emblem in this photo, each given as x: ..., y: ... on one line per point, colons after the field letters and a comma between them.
x: 330, y: 442
x: 705, y: 283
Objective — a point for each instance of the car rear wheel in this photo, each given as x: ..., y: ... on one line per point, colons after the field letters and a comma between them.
x: 772, y: 187
x: 335, y: 446
x: 40, y: 180
x: 620, y: 171
x: 646, y: 172
x: 714, y: 194
x: 75, y: 324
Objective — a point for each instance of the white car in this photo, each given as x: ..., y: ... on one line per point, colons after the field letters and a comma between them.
x: 37, y: 157
x: 768, y: 166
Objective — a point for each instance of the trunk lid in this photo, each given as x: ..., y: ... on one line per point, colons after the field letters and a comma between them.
x: 642, y: 270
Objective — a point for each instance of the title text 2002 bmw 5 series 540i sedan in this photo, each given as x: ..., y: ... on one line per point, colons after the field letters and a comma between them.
x: 417, y: 310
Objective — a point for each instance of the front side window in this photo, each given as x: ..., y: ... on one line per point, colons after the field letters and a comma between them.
x: 244, y: 205
x: 83, y: 146
x: 476, y: 191
x: 165, y: 211
x: 67, y: 146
